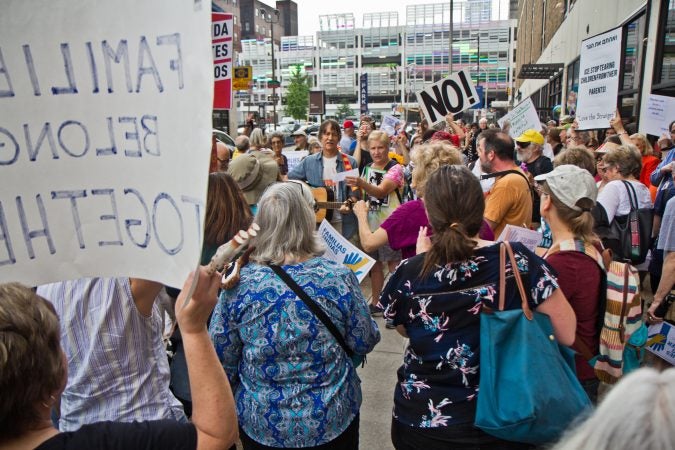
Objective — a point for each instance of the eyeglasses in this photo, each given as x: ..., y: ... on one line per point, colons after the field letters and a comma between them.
x: 523, y: 144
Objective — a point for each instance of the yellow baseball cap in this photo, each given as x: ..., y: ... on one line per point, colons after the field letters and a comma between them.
x: 531, y: 135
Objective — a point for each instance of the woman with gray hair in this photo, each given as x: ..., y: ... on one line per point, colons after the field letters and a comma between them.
x: 637, y: 413
x: 620, y: 166
x: 258, y: 141
x: 294, y: 384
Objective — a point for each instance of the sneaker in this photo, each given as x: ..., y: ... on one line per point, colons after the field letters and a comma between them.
x: 389, y: 323
x: 374, y: 310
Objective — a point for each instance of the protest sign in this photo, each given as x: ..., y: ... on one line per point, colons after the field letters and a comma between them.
x: 450, y: 95
x: 293, y: 157
x: 529, y: 238
x: 340, y: 250
x: 523, y: 117
x: 661, y: 341
x: 660, y: 112
x: 598, y: 80
x: 222, y: 48
x: 391, y: 125
x: 105, y: 139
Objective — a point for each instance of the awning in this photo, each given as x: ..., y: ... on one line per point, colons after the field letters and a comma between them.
x: 539, y: 71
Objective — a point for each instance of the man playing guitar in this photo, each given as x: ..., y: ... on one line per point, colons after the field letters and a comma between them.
x: 319, y: 170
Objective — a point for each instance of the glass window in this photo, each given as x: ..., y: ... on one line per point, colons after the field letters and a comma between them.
x: 634, y: 34
x: 667, y: 72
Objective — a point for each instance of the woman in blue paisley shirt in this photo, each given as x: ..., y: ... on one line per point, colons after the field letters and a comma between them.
x: 435, y: 299
x: 294, y: 385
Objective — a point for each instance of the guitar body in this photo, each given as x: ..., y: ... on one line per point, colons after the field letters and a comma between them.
x: 325, y: 203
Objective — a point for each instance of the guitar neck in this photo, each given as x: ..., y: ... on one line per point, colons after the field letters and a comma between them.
x: 329, y: 205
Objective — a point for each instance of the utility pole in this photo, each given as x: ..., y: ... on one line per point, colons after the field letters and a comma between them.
x: 450, y: 40
x: 271, y: 20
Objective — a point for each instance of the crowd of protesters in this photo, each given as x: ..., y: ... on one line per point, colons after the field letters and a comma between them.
x: 83, y: 363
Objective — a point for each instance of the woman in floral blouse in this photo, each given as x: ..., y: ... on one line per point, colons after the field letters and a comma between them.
x: 294, y: 385
x: 435, y: 299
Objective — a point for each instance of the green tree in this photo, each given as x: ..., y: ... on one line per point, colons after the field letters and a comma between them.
x: 297, y: 96
x: 344, y: 110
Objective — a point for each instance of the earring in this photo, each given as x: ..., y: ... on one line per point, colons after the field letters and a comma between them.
x: 53, y: 401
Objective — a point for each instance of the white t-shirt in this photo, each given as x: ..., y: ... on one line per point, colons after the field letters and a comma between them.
x: 485, y: 184
x: 614, y: 198
x: 329, y: 171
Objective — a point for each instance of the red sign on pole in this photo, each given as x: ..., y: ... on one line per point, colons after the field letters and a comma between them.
x: 222, y: 48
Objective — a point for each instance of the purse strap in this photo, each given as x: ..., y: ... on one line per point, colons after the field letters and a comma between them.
x: 313, y: 306
x: 632, y: 195
x: 505, y: 248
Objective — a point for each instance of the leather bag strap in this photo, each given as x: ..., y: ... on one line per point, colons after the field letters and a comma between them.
x: 516, y: 274
x: 314, y: 307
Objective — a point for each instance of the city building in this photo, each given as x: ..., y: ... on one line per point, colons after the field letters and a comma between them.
x: 550, y: 34
x: 400, y: 57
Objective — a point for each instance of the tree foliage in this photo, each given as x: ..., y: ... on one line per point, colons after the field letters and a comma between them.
x: 344, y: 110
x: 297, y: 95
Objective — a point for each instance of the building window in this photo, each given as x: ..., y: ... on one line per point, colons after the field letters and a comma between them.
x: 664, y: 73
x: 572, y: 87
x: 634, y: 32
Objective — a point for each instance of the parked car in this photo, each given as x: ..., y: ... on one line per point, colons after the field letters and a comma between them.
x: 224, y: 138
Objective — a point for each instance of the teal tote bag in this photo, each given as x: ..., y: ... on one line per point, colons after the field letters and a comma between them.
x: 528, y: 389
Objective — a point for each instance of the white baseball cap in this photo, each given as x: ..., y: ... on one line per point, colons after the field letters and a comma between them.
x: 570, y: 184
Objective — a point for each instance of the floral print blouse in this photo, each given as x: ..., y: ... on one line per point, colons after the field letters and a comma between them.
x: 438, y: 381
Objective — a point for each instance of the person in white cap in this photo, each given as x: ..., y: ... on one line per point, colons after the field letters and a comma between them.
x: 568, y: 194
x: 300, y: 138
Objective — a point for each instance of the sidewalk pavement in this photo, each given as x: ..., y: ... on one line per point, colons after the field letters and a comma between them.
x: 378, y: 380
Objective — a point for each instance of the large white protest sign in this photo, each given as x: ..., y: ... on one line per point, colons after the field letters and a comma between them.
x: 660, y: 112
x: 105, y: 138
x: 450, y: 95
x: 341, y: 250
x: 598, y: 80
x: 523, y: 117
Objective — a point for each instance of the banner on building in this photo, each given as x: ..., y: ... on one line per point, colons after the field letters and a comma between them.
x: 523, y: 117
x: 453, y: 94
x: 242, y: 78
x: 598, y: 80
x: 221, y: 36
x: 660, y: 112
x: 340, y: 250
x: 105, y: 139
x: 317, y: 103
x: 363, y: 97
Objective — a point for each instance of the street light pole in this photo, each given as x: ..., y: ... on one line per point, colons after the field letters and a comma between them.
x: 268, y: 18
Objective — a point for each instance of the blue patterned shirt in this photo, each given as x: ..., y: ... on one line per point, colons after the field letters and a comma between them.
x: 294, y: 385
x: 438, y: 382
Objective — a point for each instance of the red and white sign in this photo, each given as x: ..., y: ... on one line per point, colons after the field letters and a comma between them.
x: 222, y: 49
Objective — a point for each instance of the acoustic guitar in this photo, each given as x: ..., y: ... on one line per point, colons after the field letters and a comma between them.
x: 325, y: 203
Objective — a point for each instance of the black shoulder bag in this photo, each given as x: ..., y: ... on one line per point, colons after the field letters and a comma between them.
x: 320, y: 314
x: 632, y: 231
